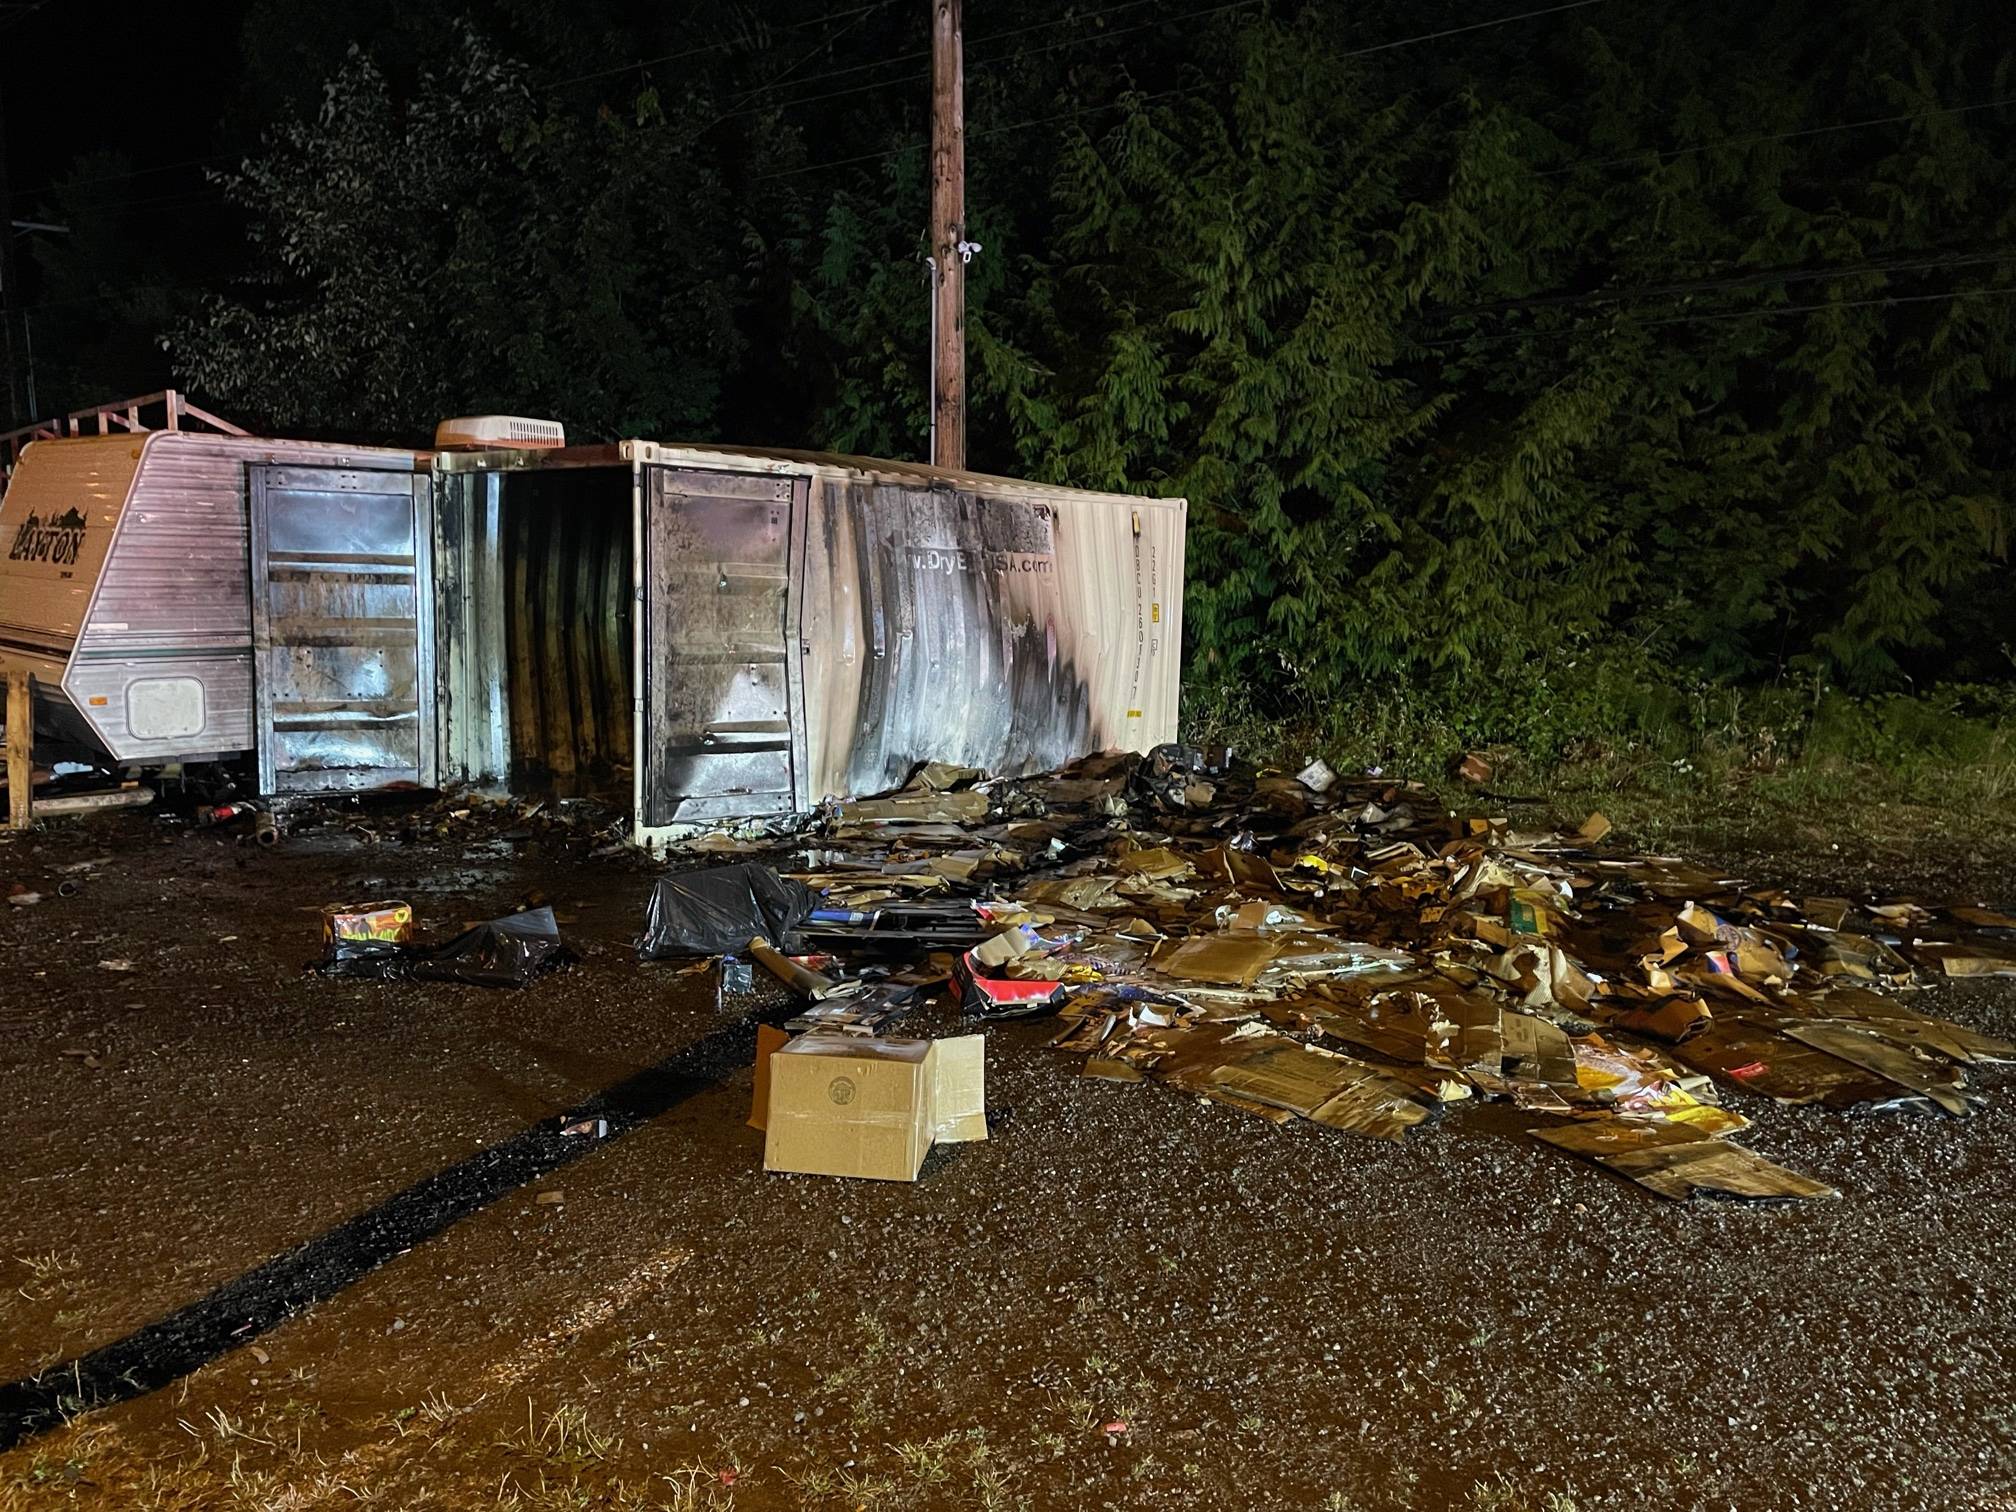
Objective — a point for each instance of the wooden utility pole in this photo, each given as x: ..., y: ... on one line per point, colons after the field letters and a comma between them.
x: 949, y: 248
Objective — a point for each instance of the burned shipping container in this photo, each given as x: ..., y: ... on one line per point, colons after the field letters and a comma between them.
x: 708, y: 633
x: 798, y: 626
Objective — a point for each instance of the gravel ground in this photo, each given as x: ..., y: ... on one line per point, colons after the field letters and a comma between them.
x: 1124, y: 1298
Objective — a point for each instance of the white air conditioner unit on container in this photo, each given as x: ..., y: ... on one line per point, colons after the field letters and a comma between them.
x: 479, y: 431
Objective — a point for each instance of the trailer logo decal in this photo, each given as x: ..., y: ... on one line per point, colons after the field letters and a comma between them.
x: 59, y: 540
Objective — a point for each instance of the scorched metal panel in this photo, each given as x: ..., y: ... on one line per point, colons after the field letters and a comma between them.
x: 717, y: 703
x: 989, y: 626
x: 342, y: 628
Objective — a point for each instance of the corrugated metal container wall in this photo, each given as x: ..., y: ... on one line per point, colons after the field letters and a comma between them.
x: 988, y: 627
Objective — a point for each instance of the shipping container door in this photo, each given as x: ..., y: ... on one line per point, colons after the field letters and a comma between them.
x: 342, y: 628
x: 716, y: 719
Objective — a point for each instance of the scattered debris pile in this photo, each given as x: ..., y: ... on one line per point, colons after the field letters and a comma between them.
x: 1353, y: 954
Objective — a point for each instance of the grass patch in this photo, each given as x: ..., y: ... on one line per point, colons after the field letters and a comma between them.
x: 1673, y: 765
x: 564, y: 1436
x: 961, y: 1469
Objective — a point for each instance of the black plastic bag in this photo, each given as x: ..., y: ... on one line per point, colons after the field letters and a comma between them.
x: 718, y: 911
x: 373, y: 960
x: 507, y: 952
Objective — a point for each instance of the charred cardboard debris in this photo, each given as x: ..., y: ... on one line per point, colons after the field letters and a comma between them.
x: 1352, y: 954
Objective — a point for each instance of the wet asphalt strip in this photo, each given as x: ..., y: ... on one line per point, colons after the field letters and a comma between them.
x: 248, y: 1305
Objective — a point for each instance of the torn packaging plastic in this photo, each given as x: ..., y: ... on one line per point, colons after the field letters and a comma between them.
x: 719, y: 910
x: 990, y: 997
x: 506, y: 952
x: 986, y: 994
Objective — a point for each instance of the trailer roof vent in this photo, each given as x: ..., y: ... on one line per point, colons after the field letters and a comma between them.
x: 497, y: 430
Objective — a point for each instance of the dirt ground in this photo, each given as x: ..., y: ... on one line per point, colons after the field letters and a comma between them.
x: 324, y: 1241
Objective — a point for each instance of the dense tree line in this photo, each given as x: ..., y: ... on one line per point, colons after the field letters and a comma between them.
x: 1665, y: 335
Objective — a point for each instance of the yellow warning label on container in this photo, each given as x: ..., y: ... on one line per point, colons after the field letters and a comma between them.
x: 1155, y: 614
x: 1133, y: 713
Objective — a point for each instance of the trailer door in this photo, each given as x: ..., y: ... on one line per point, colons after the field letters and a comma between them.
x: 342, y: 628
x: 715, y: 725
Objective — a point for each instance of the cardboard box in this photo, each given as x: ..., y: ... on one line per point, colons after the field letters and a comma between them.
x: 390, y: 921
x: 847, y: 1105
x: 769, y: 1041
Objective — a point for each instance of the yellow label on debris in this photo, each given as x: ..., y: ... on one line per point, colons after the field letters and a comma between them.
x: 1133, y: 713
x: 1154, y: 614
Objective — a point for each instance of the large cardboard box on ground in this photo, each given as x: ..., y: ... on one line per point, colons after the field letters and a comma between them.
x: 846, y: 1105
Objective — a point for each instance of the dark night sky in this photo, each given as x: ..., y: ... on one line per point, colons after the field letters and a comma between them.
x: 149, y: 80
x: 156, y: 85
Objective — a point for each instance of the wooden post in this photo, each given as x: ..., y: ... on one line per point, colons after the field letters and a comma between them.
x: 20, y: 742
x: 948, y: 236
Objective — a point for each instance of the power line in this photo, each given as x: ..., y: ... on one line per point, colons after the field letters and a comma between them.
x: 132, y: 173
x: 1198, y: 15
x: 1778, y: 136
x: 724, y: 45
x: 1769, y: 312
x: 721, y: 46
x: 869, y: 157
x: 826, y: 41
x: 862, y: 11
x: 1761, y: 278
x: 1455, y: 31
x: 910, y: 57
x: 160, y: 202
x: 855, y: 11
x: 1543, y: 173
x: 1579, y: 163
x: 109, y: 296
x: 907, y: 57
x: 21, y: 13
x: 1166, y: 94
x: 1837, y: 304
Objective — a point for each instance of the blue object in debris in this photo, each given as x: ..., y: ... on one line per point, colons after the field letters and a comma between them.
x: 839, y: 916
